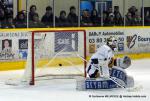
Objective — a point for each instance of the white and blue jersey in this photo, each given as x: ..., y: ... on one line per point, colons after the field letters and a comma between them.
x: 102, y: 53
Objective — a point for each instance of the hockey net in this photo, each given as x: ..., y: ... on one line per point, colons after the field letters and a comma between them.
x: 55, y: 54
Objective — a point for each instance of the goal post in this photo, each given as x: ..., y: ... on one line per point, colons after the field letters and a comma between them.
x: 46, y: 48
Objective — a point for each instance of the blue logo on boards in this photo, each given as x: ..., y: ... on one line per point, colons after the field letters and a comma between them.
x: 23, y: 54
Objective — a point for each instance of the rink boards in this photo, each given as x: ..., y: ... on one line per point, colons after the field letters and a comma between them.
x: 132, y: 41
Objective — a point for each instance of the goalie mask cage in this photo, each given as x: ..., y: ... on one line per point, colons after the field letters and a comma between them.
x: 61, y: 51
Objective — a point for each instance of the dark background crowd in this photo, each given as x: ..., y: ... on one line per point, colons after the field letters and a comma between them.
x: 88, y: 18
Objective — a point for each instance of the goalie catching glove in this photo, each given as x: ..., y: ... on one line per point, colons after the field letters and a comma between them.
x: 123, y: 63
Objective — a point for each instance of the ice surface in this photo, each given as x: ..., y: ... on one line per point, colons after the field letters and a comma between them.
x: 64, y: 90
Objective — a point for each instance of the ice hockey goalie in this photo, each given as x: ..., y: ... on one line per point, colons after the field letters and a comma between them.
x: 104, y: 71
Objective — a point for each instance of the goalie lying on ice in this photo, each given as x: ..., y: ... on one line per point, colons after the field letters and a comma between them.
x: 103, y: 64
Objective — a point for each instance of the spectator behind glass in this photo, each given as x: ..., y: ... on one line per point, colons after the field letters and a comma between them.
x: 129, y: 20
x: 72, y: 17
x: 133, y: 17
x: 8, y: 12
x: 24, y: 13
x: 86, y: 19
x: 147, y: 19
x: 63, y: 22
x: 116, y: 11
x: 47, y: 19
x: 96, y: 21
x: 105, y: 18
x: 137, y: 19
x: 35, y: 23
x: 111, y: 21
x: 118, y: 20
x: 132, y: 10
x: 20, y: 21
x: 32, y: 12
x: 2, y: 17
x: 9, y: 23
x: 109, y: 11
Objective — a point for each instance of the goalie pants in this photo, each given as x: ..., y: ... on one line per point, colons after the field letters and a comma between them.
x: 94, y: 74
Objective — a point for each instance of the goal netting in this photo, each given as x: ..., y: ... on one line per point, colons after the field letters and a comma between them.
x: 55, y: 54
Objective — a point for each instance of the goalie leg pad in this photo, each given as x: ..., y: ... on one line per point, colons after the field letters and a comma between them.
x: 91, y: 83
x: 118, y: 75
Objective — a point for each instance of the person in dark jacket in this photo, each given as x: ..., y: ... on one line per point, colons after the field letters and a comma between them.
x: 129, y: 20
x: 32, y: 12
x: 85, y: 19
x: 2, y: 17
x: 111, y: 21
x: 94, y: 18
x: 147, y: 18
x: 36, y: 23
x: 20, y: 21
x: 63, y: 22
x: 72, y: 17
x: 118, y: 20
x: 47, y: 19
x: 9, y: 22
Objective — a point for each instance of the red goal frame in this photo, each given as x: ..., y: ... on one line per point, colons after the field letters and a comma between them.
x: 32, y: 82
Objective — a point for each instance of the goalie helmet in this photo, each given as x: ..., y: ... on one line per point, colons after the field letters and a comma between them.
x: 112, y: 42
